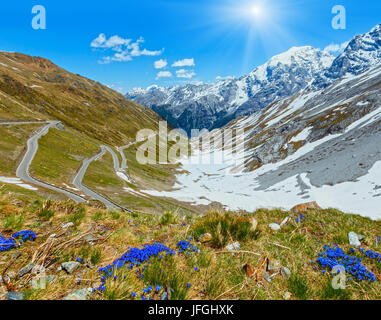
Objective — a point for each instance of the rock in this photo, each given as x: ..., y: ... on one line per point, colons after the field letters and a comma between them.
x: 90, y: 239
x: 15, y: 296
x: 164, y: 296
x: 267, y: 277
x: 287, y: 296
x: 233, y: 247
x: 300, y: 208
x: 285, y: 272
x: 254, y: 224
x: 53, y: 235
x: 68, y: 225
x: 354, y: 239
x: 81, y: 294
x: 11, y: 274
x: 274, y: 226
x: 205, y: 238
x: 70, y: 267
x: 248, y: 270
x: 27, y: 269
x: 273, y: 266
x: 16, y: 255
x: 284, y: 221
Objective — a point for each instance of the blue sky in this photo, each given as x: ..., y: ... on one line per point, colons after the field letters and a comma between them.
x: 199, y: 40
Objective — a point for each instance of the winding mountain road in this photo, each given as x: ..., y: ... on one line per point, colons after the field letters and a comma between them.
x: 22, y: 171
x: 77, y: 180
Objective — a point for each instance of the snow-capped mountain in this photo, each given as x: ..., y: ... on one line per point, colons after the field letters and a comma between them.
x: 319, y: 146
x: 362, y: 52
x: 198, y: 106
x: 300, y: 68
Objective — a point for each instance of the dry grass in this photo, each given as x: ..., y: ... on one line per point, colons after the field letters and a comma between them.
x: 218, y: 274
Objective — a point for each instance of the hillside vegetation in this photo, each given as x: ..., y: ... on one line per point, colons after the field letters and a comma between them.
x: 114, y: 255
x: 34, y: 87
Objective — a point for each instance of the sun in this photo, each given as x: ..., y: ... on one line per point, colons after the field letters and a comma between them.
x: 256, y: 11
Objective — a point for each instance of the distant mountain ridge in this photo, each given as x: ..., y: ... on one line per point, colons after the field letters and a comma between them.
x: 300, y: 68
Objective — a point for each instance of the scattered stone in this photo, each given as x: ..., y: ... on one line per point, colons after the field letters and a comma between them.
x: 267, y: 277
x: 81, y: 294
x: 70, y: 267
x: 354, y: 239
x: 53, y: 235
x: 16, y: 255
x: 300, y: 208
x: 90, y: 239
x: 164, y: 296
x: 15, y: 296
x: 68, y: 225
x: 285, y: 272
x: 205, y: 238
x: 11, y: 274
x: 25, y: 270
x: 248, y: 270
x: 284, y: 221
x: 254, y: 224
x: 233, y: 247
x: 287, y: 296
x: 273, y: 266
x: 274, y: 226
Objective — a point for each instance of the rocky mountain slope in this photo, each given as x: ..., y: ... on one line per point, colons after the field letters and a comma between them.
x: 198, y: 106
x: 33, y: 87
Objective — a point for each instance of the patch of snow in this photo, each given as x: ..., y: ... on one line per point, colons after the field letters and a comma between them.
x: 18, y: 182
x: 302, y: 136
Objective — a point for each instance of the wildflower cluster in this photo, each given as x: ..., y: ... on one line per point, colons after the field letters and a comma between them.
x: 186, y: 246
x: 333, y: 256
x: 8, y: 244
x: 132, y: 258
x: 301, y: 218
x: 25, y: 235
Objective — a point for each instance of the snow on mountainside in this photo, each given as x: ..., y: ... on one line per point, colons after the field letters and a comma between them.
x: 362, y: 52
x: 214, y: 105
x: 319, y: 146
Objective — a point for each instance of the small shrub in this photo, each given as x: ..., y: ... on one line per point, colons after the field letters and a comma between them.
x: 114, y: 215
x: 225, y: 227
x: 99, y: 216
x: 14, y: 222
x: 298, y: 286
x: 45, y: 214
x: 78, y: 216
x: 168, y: 218
x: 329, y: 293
x: 96, y: 256
x: 165, y: 273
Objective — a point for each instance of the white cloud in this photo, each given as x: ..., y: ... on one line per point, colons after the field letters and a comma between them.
x: 184, y: 63
x: 160, y: 64
x: 224, y: 78
x: 187, y: 74
x: 125, y: 49
x: 336, y: 49
x: 163, y: 74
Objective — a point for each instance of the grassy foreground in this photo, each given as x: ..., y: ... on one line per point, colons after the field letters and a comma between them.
x: 180, y: 267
